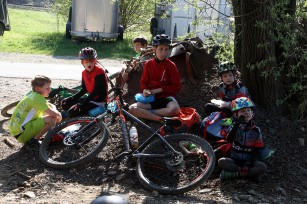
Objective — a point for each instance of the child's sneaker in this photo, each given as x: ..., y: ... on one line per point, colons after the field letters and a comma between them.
x: 33, y: 144
x: 228, y: 175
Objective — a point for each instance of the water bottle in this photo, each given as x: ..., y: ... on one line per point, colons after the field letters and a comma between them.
x: 133, y: 133
x: 193, y: 148
x: 97, y: 111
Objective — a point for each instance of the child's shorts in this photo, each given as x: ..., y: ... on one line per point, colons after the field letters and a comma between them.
x: 159, y: 103
x: 31, y: 129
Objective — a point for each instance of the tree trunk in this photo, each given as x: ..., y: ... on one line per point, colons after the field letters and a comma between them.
x: 258, y: 56
x: 238, y: 28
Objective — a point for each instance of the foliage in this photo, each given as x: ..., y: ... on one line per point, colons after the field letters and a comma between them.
x: 289, y: 33
x: 136, y: 14
x: 282, y: 58
x: 35, y: 32
x: 60, y: 9
x: 224, y: 46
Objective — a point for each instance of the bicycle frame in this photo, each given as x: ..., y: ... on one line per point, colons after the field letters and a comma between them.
x: 121, y: 113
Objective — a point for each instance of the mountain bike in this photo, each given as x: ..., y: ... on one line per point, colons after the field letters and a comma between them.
x: 55, y: 97
x: 164, y: 163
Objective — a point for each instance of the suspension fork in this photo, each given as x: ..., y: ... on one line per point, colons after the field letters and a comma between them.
x: 95, y: 121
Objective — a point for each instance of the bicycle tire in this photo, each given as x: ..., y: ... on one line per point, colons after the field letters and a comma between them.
x: 7, y: 111
x: 62, y: 155
x: 157, y: 175
x: 111, y: 90
x: 57, y: 98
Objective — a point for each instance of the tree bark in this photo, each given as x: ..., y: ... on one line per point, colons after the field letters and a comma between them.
x: 265, y: 90
x: 238, y: 29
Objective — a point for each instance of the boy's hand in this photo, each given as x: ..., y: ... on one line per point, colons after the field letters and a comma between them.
x: 216, y: 102
x: 220, y: 103
x: 146, y: 92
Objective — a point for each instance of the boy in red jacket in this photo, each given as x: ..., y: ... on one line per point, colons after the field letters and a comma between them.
x: 94, y: 83
x: 160, y: 78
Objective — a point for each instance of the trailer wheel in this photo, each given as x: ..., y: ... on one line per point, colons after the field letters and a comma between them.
x: 153, y: 26
x: 70, y: 13
x: 68, y: 29
x: 120, y: 31
x: 1, y: 29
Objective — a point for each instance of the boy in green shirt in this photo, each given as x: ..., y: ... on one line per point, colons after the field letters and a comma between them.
x: 33, y: 115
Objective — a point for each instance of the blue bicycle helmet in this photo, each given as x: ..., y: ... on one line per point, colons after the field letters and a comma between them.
x: 87, y: 53
x: 161, y: 40
x: 240, y: 103
x: 111, y: 199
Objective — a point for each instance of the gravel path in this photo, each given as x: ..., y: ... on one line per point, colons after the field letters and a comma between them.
x: 34, y: 58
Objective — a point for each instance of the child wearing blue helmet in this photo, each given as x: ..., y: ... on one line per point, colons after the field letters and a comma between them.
x: 246, y: 142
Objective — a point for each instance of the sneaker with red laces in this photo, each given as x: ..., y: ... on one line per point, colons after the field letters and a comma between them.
x: 228, y: 175
x: 244, y: 171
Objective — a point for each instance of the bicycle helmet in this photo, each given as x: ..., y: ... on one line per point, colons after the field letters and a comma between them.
x: 240, y: 103
x: 111, y: 199
x: 225, y: 67
x: 161, y: 40
x: 87, y: 53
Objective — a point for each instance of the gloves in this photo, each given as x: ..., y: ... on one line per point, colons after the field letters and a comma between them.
x: 67, y: 100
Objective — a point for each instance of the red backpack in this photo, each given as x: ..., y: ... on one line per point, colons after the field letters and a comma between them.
x: 186, y: 118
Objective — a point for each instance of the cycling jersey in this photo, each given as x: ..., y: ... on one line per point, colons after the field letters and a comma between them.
x: 95, y: 83
x: 233, y: 91
x: 31, y: 107
x: 163, y: 74
x: 246, y: 141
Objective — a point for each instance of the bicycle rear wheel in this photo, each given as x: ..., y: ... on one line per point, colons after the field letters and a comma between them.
x: 7, y: 111
x: 165, y: 177
x: 60, y: 149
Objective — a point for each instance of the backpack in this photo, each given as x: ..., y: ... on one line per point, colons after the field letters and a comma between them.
x: 183, y: 122
x: 212, y: 127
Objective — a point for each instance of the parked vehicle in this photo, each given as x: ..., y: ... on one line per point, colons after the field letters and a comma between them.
x: 181, y: 17
x: 4, y: 17
x: 94, y: 20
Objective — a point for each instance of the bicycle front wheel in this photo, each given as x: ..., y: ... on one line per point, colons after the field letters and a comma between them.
x: 7, y: 111
x: 168, y: 177
x: 61, y: 148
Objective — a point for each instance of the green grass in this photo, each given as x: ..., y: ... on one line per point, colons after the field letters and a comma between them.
x: 37, y: 32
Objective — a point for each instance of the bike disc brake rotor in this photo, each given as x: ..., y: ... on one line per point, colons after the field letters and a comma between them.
x: 69, y: 141
x: 176, y: 162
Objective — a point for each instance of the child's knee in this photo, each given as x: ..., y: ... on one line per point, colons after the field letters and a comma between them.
x: 174, y: 110
x: 51, y: 121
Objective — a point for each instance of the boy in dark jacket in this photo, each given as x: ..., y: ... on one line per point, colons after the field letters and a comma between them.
x: 246, y: 142
x: 229, y: 89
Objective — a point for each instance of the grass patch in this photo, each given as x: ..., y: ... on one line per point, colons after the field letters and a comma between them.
x: 37, y: 32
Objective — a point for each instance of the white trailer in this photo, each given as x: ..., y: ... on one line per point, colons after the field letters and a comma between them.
x: 180, y: 18
x: 94, y: 20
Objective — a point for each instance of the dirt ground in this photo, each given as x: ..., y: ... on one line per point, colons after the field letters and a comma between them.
x: 24, y: 179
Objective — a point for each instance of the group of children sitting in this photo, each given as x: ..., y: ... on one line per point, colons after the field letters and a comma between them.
x: 34, y: 116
